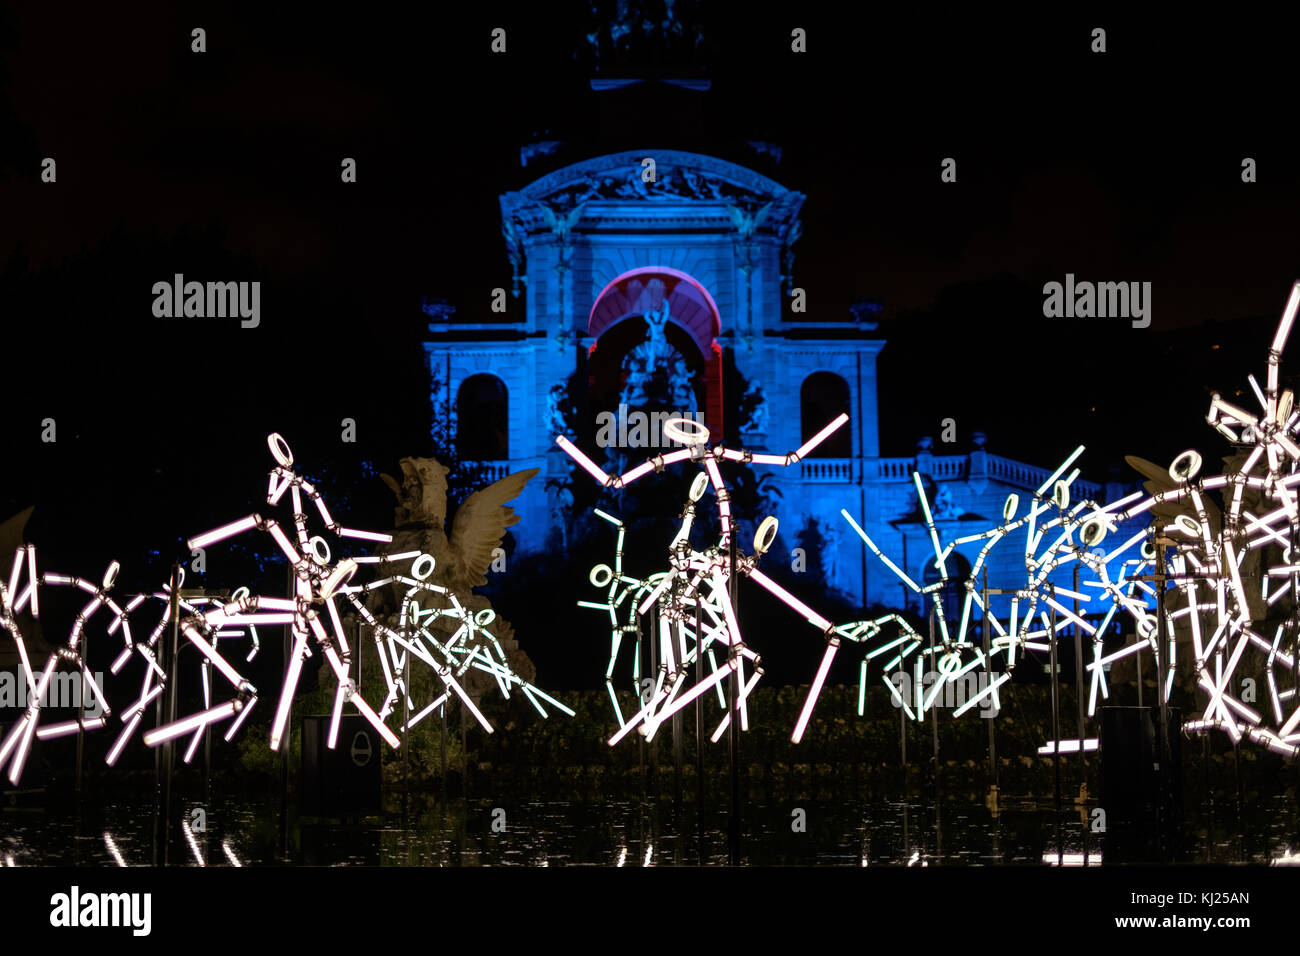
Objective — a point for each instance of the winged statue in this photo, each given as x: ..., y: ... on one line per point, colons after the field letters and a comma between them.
x: 463, y: 558
x: 560, y: 220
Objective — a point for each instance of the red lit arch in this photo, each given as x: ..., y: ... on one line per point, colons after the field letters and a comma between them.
x: 690, y: 306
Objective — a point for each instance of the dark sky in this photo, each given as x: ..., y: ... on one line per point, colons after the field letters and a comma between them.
x: 1121, y: 166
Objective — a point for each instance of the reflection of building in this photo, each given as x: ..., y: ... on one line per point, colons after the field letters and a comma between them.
x: 602, y: 254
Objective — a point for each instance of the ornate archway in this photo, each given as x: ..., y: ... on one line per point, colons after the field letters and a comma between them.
x: 664, y: 312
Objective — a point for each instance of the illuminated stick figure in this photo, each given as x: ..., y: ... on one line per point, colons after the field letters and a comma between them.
x: 696, y: 610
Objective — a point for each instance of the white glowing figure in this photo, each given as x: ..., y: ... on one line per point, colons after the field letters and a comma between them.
x: 155, y: 678
x: 1056, y: 533
x: 695, y: 617
x: 317, y: 581
x: 1235, y: 560
x: 321, y: 586
x: 471, y: 644
x: 23, y: 593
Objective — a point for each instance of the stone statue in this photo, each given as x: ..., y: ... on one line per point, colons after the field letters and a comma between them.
x: 655, y: 373
x: 461, y: 559
x: 560, y: 220
x: 944, y: 506
x: 830, y: 534
x: 481, y: 521
x: 758, y: 415
x: 556, y: 403
x: 657, y: 321
x: 747, y: 217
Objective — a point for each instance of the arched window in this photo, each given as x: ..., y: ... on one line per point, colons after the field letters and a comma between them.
x: 822, y: 398
x: 482, y: 419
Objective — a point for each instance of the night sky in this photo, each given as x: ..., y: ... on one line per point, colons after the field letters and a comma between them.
x: 1123, y: 166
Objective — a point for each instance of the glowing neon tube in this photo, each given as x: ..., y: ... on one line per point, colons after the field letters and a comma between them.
x: 726, y: 719
x: 821, y: 436
x: 239, y: 719
x: 68, y: 727
x: 793, y: 602
x: 364, y: 535
x: 33, y: 580
x: 878, y: 553
x: 210, y: 652
x: 225, y: 531
x: 183, y: 726
x: 589, y: 466
x: 832, y: 646
x: 1288, y: 317
x: 122, y: 738
x: 289, y: 688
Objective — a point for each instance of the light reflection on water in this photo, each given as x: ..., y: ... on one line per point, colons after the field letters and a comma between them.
x: 246, y: 832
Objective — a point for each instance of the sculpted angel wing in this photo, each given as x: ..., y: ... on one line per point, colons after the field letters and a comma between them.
x: 11, y: 537
x: 746, y: 221
x: 480, y: 524
x: 561, y: 221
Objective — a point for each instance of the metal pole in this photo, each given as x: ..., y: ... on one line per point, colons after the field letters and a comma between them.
x: 1138, y: 658
x: 406, y: 727
x: 286, y: 745
x: 82, y: 643
x: 902, y: 742
x: 1206, y: 795
x: 732, y: 596
x: 656, y: 632
x: 678, y: 718
x: 986, y: 640
x: 207, y: 745
x: 1078, y: 693
x: 174, y: 606
x: 1056, y: 732
x: 1163, y: 775
x: 356, y: 643
x: 641, y: 702
x: 699, y: 731
x: 934, y: 729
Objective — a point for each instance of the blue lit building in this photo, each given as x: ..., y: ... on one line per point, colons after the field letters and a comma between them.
x: 601, y: 253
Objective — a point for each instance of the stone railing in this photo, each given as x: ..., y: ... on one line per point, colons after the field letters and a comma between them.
x: 939, y: 467
x: 1031, y: 477
x: 492, y: 470
x: 827, y: 470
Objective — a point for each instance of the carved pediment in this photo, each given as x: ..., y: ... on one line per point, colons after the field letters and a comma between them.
x: 679, y: 177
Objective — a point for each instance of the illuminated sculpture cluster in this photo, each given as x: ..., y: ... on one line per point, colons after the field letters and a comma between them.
x: 694, y: 597
x: 320, y: 583
x: 471, y: 644
x: 23, y: 593
x: 1230, y: 566
x: 1206, y: 554
x: 1056, y: 533
x: 1234, y: 565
